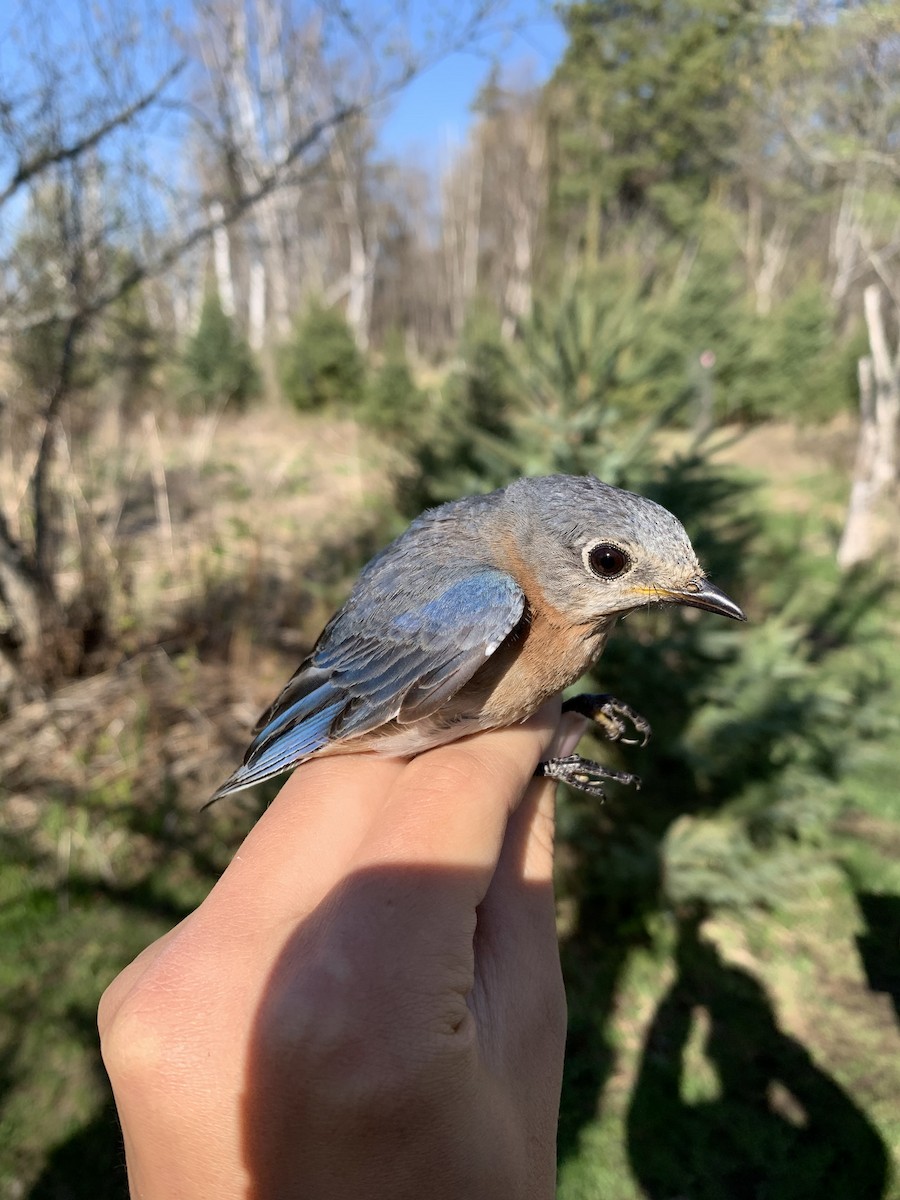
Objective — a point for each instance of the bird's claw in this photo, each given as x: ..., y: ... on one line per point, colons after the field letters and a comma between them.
x: 610, y: 715
x: 583, y: 775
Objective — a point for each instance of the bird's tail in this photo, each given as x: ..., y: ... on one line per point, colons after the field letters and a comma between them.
x: 296, y: 726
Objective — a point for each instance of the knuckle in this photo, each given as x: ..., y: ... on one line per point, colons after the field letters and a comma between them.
x: 134, y: 1044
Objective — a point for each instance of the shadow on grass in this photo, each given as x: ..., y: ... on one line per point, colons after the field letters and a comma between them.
x: 90, y: 1163
x: 879, y: 946
x: 772, y: 1127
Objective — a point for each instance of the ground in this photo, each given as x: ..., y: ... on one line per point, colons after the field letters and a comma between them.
x: 234, y: 554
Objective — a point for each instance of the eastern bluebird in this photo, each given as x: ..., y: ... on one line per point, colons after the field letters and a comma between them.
x: 482, y: 610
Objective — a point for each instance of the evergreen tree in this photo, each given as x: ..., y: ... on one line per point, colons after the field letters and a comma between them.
x: 393, y: 404
x: 320, y: 365
x: 218, y: 361
x: 648, y: 101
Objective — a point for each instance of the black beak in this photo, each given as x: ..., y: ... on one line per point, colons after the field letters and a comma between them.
x: 703, y: 594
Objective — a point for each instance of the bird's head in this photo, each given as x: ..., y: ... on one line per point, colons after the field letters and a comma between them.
x: 597, y: 551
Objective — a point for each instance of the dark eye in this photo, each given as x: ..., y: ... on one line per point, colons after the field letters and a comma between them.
x: 607, y: 561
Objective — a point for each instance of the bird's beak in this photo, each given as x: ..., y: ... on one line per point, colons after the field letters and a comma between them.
x: 700, y: 593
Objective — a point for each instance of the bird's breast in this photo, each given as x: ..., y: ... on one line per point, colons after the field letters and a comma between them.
x: 542, y: 656
x: 545, y: 653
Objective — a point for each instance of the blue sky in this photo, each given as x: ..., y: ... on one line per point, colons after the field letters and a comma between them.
x: 436, y: 107
x: 423, y: 121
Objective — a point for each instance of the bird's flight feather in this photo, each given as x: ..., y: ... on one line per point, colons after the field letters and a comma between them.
x: 353, y: 682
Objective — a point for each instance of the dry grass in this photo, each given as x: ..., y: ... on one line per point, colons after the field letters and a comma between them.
x: 219, y: 588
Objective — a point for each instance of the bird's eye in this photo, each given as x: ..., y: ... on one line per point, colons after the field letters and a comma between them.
x: 607, y: 560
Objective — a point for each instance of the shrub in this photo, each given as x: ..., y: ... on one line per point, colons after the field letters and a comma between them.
x: 454, y: 447
x: 219, y: 364
x: 320, y: 365
x: 561, y: 398
x: 392, y: 403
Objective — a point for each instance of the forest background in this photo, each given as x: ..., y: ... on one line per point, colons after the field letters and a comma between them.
x: 240, y: 346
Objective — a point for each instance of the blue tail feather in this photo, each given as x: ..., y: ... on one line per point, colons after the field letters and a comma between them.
x: 272, y: 753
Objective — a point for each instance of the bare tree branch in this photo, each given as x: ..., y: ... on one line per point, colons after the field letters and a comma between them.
x: 40, y: 162
x: 151, y: 269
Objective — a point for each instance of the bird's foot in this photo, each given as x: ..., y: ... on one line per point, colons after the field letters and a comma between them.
x: 582, y: 774
x: 613, y: 718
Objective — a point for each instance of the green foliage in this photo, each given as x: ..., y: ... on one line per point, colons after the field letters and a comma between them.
x: 756, y: 728
x: 707, y: 344
x: 218, y: 362
x: 649, y: 99
x: 576, y: 371
x: 799, y: 370
x: 448, y: 448
x: 320, y: 365
x: 392, y: 403
x: 561, y: 398
x: 691, y: 348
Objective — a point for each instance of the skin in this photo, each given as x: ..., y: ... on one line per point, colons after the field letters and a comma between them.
x: 369, y: 1002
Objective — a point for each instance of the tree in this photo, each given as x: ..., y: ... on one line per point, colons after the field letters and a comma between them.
x: 218, y: 361
x: 512, y: 135
x: 646, y: 109
x: 842, y: 112
x: 320, y: 364
x: 92, y: 116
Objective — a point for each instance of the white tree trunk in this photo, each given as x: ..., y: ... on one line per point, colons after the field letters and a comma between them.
x: 472, y: 234
x: 276, y: 266
x: 525, y: 197
x: 774, y: 256
x: 875, y: 470
x: 256, y: 304
x: 886, y: 369
x: 844, y: 248
x: 222, y: 260
x: 461, y: 208
x: 360, y: 268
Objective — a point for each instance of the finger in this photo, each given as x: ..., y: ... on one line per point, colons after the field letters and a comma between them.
x: 527, y: 854
x: 516, y: 937
x: 398, y: 926
x: 450, y: 807
x: 519, y: 909
x: 303, y: 842
x: 429, y: 857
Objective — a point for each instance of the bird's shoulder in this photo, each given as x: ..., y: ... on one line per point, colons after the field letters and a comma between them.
x: 441, y: 548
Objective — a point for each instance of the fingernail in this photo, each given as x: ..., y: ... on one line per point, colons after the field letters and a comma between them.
x: 568, y: 734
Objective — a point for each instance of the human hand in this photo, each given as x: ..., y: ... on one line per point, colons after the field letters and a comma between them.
x: 369, y: 1002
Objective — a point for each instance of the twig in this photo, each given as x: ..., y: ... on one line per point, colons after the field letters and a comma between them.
x: 160, y: 484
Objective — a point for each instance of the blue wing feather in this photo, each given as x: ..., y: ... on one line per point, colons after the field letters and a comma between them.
x: 266, y: 761
x: 372, y: 665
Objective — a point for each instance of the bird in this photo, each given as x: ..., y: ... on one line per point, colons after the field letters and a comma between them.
x: 480, y: 611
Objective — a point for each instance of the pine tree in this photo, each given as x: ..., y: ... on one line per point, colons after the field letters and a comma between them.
x: 648, y: 102
x: 218, y: 361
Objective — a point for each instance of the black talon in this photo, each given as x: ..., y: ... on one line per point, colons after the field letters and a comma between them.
x: 583, y: 775
x: 607, y: 712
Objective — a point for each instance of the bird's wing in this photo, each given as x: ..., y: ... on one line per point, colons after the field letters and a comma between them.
x: 369, y: 668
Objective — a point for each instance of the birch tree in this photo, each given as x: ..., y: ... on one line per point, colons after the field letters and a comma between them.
x: 94, y: 116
